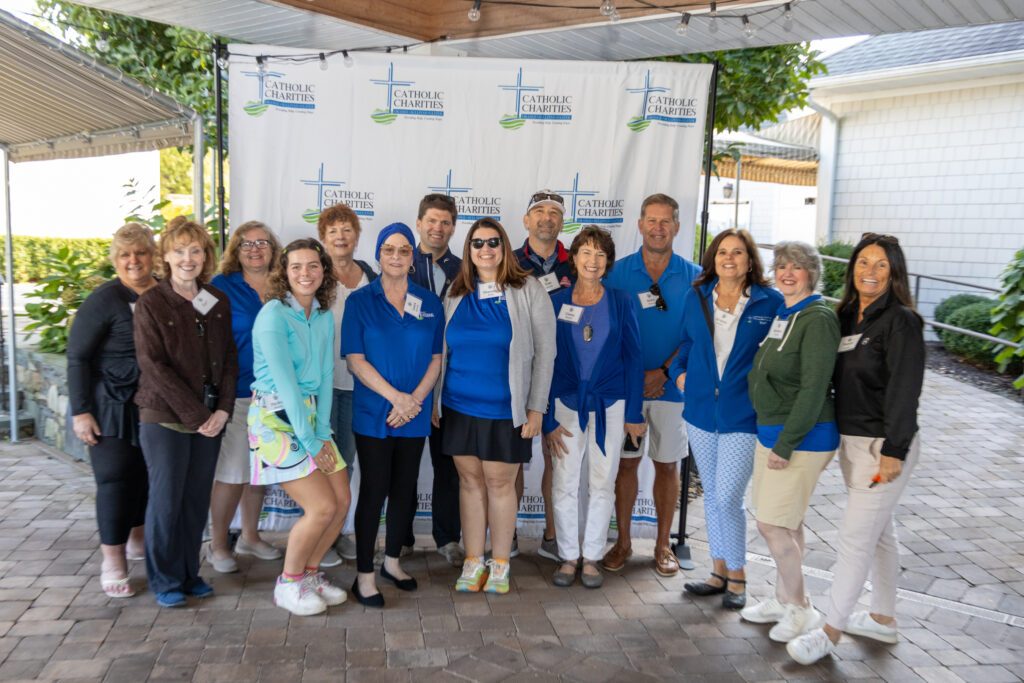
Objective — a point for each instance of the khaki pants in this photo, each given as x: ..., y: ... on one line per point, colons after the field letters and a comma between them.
x: 867, y: 536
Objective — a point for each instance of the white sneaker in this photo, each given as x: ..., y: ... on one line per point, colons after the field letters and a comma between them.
x: 331, y: 558
x: 767, y: 611
x: 298, y: 598
x: 346, y: 546
x: 328, y: 592
x: 795, y: 622
x: 452, y: 552
x: 810, y: 647
x: 861, y: 624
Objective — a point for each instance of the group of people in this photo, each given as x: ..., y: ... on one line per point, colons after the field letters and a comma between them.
x: 296, y: 365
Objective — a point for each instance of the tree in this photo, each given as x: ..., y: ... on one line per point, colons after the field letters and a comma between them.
x: 757, y: 84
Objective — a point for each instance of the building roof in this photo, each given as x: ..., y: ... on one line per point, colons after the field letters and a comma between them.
x: 923, y: 47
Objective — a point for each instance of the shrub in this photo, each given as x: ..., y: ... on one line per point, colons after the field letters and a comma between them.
x: 950, y: 305
x: 978, y: 318
x: 833, y: 273
x: 30, y: 254
x: 1008, y: 317
x: 61, y: 293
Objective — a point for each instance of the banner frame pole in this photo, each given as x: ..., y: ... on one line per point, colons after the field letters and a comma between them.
x: 218, y: 50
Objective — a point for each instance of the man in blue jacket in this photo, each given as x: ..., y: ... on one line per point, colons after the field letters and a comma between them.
x: 435, y: 266
x: 659, y: 279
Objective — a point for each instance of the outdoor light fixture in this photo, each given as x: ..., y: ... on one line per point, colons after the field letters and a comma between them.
x: 787, y: 16
x: 727, y: 190
x: 347, y: 59
x: 608, y: 8
x: 261, y: 66
x: 323, y: 62
x: 683, y: 26
x: 474, y: 14
x: 713, y: 13
x: 748, y: 28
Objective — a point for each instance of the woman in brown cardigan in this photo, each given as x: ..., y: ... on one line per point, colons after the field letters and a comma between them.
x: 186, y: 393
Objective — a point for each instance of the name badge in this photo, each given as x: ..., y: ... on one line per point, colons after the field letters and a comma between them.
x: 131, y: 306
x: 848, y: 343
x: 647, y: 300
x: 413, y: 305
x: 203, y: 301
x: 723, y: 318
x: 778, y: 329
x: 488, y: 290
x: 570, y: 313
x: 550, y: 282
x: 271, y: 402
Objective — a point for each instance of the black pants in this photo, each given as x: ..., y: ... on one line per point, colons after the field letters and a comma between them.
x: 446, y: 524
x: 181, y: 468
x: 388, y: 470
x: 121, y: 486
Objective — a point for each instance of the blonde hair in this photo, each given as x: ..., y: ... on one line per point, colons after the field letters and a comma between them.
x: 131, y: 234
x: 183, y: 231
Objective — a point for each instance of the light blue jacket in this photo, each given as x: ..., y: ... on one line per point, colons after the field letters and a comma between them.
x: 294, y: 358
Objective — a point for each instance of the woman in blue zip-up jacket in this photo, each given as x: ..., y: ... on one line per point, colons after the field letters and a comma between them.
x: 728, y: 313
x: 290, y: 419
x: 596, y: 394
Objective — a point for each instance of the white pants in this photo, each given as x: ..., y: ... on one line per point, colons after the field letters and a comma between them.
x: 565, y: 480
x: 867, y: 537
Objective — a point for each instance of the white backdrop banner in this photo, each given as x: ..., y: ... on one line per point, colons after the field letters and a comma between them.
x: 390, y: 128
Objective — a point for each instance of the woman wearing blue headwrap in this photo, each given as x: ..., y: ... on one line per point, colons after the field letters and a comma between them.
x: 391, y: 336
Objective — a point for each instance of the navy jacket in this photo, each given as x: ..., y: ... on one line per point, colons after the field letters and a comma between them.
x: 561, y: 269
x: 618, y: 373
x: 713, y: 403
x: 424, y: 269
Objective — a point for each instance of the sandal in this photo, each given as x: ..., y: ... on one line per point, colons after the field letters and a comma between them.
x: 117, y: 588
x: 735, y: 600
x: 565, y: 579
x: 704, y: 589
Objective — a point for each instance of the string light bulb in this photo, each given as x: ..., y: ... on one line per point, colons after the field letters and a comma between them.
x: 323, y: 62
x: 748, y: 28
x: 222, y: 62
x: 102, y: 45
x: 474, y: 14
x: 787, y: 16
x: 713, y: 13
x: 683, y: 26
x: 607, y: 8
x: 347, y: 59
x: 614, y: 16
x: 261, y: 66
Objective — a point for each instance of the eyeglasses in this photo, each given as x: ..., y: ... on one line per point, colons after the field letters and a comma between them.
x: 389, y: 250
x: 546, y: 197
x: 254, y: 244
x: 478, y: 242
x: 877, y: 237
x: 660, y: 304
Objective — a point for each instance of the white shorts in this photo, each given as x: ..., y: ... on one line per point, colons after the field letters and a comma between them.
x: 666, y: 433
x: 233, y: 461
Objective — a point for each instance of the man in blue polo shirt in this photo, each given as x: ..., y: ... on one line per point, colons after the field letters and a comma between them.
x: 544, y: 256
x: 435, y: 268
x: 659, y: 279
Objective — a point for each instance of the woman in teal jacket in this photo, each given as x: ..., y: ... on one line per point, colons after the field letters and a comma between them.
x: 728, y: 313
x: 290, y: 419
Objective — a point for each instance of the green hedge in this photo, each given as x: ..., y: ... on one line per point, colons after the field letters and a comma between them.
x: 978, y: 318
x: 834, y: 273
x: 29, y: 253
x: 950, y: 305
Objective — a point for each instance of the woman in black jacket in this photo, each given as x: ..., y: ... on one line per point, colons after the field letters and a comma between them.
x: 878, y: 377
x: 102, y: 377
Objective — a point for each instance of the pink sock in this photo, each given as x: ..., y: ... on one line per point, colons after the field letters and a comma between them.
x: 290, y: 578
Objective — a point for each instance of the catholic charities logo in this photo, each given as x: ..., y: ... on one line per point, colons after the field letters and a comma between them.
x: 660, y: 105
x: 275, y: 91
x: 405, y: 100
x: 534, y: 105
x: 471, y: 206
x: 331, y: 192
x: 584, y: 207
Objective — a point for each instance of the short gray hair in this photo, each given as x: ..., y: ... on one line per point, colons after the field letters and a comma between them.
x: 800, y: 254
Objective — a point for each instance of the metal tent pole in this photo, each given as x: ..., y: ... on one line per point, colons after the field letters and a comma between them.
x: 12, y: 363
x: 218, y: 49
x: 198, y: 153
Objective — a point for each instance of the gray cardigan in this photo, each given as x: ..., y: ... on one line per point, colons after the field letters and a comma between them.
x: 531, y: 356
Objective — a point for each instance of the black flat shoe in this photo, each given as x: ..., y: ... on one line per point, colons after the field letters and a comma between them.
x: 402, y: 584
x: 704, y: 589
x: 376, y: 600
x: 732, y: 600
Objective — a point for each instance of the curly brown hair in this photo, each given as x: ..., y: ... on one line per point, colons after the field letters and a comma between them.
x: 277, y: 281
x: 755, y: 276
x: 229, y: 261
x: 509, y: 272
x: 592, y: 234
x: 183, y: 231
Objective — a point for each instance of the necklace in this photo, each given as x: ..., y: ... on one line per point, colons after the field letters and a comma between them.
x: 588, y: 329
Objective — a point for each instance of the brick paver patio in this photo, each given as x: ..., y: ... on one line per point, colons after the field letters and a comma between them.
x: 961, y: 616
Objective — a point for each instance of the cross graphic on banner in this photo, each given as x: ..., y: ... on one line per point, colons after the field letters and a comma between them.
x: 447, y: 187
x: 390, y: 82
x: 262, y: 77
x: 575, y: 193
x: 320, y: 184
x: 646, y: 90
x: 519, y: 88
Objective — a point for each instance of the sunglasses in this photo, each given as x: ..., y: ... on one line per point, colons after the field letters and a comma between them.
x: 546, y: 196
x: 660, y: 304
x: 254, y: 244
x: 478, y: 242
x: 389, y: 250
x: 877, y: 237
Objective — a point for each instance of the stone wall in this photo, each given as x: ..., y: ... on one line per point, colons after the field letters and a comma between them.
x: 42, y: 378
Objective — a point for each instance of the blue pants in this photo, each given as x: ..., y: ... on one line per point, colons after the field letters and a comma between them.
x: 181, y: 468
x: 725, y: 463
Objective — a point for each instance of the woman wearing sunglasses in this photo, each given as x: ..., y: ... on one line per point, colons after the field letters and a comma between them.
x: 391, y: 337
x: 493, y: 391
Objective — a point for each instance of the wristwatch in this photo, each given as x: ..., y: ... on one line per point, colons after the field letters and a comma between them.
x: 664, y: 368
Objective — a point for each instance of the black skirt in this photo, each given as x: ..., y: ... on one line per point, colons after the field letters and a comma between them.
x: 490, y: 440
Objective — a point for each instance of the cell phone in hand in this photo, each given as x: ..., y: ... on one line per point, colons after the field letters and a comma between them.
x: 629, y: 446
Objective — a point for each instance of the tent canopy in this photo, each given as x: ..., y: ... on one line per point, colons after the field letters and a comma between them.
x: 59, y: 103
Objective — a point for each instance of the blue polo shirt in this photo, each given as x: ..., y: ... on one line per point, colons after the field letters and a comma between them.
x: 657, y: 327
x: 245, y: 304
x: 399, y: 346
x: 476, y: 380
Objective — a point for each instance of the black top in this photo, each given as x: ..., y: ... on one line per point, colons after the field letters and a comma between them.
x: 367, y: 270
x: 878, y: 381
x: 102, y: 371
